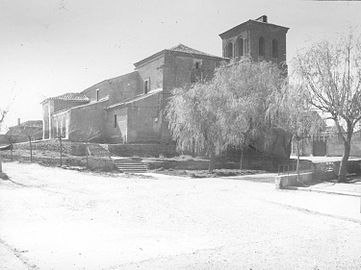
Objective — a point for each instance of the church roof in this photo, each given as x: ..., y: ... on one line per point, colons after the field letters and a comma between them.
x: 250, y: 22
x: 182, y: 49
x: 185, y: 49
x: 70, y: 97
x: 136, y: 98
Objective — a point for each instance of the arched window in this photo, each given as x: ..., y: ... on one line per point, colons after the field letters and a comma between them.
x: 229, y: 50
x: 261, y: 46
x: 275, y: 48
x: 240, y: 47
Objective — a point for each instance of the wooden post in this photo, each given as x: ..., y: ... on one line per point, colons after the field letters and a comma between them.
x: 1, y: 164
x: 31, y: 149
x: 87, y: 155
x: 61, y: 151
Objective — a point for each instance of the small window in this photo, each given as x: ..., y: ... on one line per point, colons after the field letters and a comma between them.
x: 261, y: 46
x: 146, y: 86
x: 197, y: 63
x: 240, y: 47
x: 115, y: 120
x: 275, y: 48
x: 229, y: 50
x: 97, y: 94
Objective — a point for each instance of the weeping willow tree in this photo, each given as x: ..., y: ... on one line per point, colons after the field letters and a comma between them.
x: 193, y: 120
x: 229, y: 110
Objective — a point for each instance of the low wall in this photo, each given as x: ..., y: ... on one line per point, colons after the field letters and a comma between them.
x: 45, y: 145
x: 143, y: 150
x: 189, y: 164
x: 287, y: 180
x: 93, y: 163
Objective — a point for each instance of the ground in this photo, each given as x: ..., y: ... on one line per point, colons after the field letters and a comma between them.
x: 51, y: 218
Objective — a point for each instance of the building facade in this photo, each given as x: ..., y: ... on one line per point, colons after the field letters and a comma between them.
x: 130, y: 108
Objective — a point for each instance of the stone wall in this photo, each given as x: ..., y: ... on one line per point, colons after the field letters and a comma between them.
x: 117, y: 132
x: 152, y: 71
x: 290, y: 180
x: 46, y: 145
x: 87, y: 123
x: 144, y: 120
x: 268, y: 32
x: 142, y: 150
x: 60, y: 105
x: 118, y: 88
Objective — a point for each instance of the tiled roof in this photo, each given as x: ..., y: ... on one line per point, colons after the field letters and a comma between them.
x: 181, y: 49
x: 71, y: 97
x: 186, y: 49
x: 136, y: 98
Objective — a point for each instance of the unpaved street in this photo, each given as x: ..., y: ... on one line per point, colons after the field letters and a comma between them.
x: 52, y: 218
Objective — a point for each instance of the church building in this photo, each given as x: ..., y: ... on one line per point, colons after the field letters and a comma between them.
x: 130, y: 108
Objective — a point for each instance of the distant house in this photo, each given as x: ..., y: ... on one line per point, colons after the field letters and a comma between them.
x: 22, y: 131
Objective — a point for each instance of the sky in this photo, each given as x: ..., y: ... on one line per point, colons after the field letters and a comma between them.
x: 49, y: 47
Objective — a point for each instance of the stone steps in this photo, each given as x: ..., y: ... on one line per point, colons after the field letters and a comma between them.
x: 130, y: 166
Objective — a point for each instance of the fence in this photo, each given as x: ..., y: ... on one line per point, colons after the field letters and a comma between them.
x: 57, y: 153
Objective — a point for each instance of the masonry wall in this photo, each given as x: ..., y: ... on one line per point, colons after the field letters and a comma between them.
x: 152, y: 70
x: 88, y: 123
x: 335, y: 145
x: 117, y: 89
x: 144, y: 123
x: 66, y: 104
x: 60, y: 125
x: 46, y: 120
x: 117, y: 133
x: 180, y: 71
x: 268, y: 32
x: 232, y: 37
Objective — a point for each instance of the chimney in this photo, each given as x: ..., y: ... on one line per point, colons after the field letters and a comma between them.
x: 18, y: 121
x: 263, y: 18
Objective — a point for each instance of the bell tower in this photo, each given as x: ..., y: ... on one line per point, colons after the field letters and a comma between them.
x: 257, y: 39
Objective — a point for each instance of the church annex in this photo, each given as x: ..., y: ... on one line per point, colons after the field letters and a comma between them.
x: 129, y: 108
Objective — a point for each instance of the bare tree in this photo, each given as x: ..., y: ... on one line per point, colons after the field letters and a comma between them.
x: 331, y: 75
x: 3, y: 113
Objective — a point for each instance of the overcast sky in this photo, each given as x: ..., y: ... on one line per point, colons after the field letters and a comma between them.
x: 49, y: 47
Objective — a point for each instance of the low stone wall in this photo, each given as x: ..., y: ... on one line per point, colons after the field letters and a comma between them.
x: 189, y: 164
x: 326, y: 171
x: 101, y: 164
x: 143, y: 150
x: 46, y: 145
x: 93, y: 163
x: 287, y: 180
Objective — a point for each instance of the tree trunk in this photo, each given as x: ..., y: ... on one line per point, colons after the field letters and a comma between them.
x: 241, y: 160
x: 298, y: 161
x: 211, y: 163
x: 342, y: 173
x: 1, y: 164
